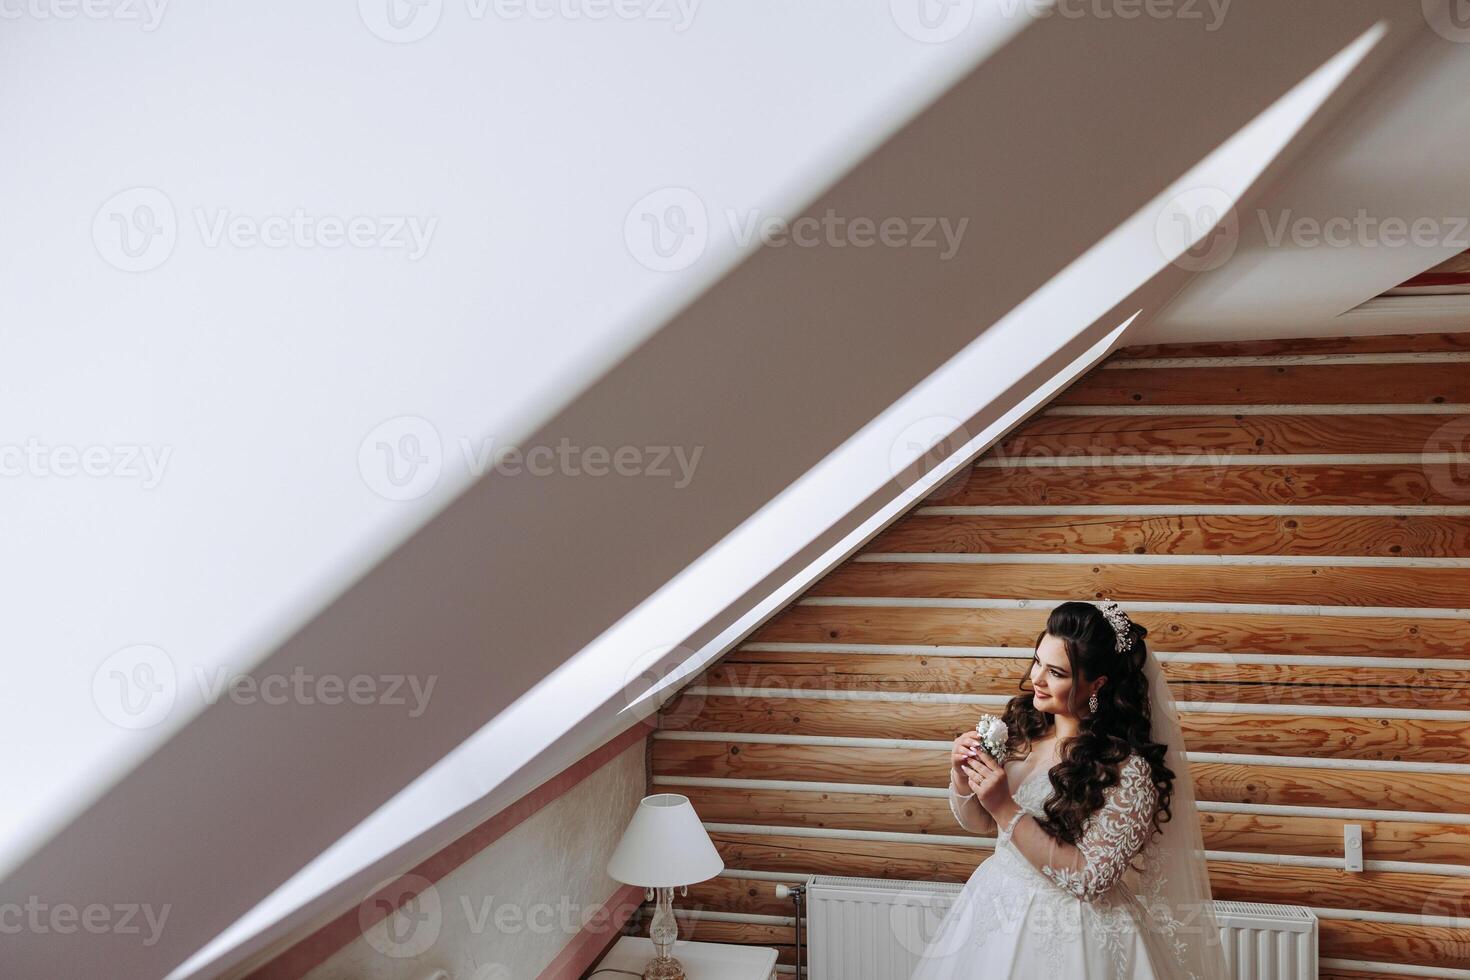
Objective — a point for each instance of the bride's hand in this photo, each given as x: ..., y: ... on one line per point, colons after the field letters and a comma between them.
x: 987, y: 781
x: 965, y: 748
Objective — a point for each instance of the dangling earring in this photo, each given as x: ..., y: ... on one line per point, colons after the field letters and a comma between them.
x: 1092, y: 703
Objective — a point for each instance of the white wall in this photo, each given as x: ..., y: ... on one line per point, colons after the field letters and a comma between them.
x: 508, y: 911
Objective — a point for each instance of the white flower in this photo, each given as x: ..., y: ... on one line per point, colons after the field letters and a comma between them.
x: 993, y: 734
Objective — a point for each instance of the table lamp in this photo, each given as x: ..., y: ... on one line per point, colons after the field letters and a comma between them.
x: 664, y: 846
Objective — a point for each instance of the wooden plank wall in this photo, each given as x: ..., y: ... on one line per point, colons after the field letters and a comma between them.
x: 1301, y: 557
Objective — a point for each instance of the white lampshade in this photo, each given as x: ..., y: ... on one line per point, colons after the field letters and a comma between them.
x: 664, y: 846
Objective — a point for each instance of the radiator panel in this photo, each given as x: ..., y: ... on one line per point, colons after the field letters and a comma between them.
x: 875, y: 929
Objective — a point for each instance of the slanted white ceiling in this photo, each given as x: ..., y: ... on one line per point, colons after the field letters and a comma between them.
x: 251, y: 376
x: 1381, y: 196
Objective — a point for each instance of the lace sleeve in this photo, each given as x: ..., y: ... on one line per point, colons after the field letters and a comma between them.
x: 1113, y: 835
x: 958, y: 803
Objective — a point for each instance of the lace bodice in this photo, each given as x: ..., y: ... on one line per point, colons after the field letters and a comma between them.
x: 1026, y: 777
x: 1112, y: 837
x: 1033, y: 793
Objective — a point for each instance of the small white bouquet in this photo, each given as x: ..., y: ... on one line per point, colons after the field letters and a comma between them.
x: 993, y: 734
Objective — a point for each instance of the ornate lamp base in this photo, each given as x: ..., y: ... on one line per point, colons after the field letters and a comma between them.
x: 663, y: 930
x: 664, y: 969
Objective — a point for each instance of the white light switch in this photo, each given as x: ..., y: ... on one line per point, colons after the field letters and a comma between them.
x: 1352, y: 846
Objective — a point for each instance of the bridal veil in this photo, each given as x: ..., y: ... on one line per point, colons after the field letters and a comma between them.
x: 1174, y: 880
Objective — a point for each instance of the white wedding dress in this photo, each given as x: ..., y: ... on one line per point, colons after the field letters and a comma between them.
x: 1077, y: 916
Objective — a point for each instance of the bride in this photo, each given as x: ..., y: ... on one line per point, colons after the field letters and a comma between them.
x: 1098, y: 869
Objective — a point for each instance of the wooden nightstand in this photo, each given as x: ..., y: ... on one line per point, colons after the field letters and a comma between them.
x: 702, y: 961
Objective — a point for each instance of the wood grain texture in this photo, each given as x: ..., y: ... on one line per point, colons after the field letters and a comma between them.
x: 1383, y: 840
x: 1223, y: 782
x: 1333, y: 635
x: 1294, y: 384
x: 1211, y: 534
x: 1154, y: 483
x: 1237, y: 683
x: 1393, y: 942
x: 1387, y: 343
x: 1312, y: 736
x: 1305, y: 585
x: 1105, y: 435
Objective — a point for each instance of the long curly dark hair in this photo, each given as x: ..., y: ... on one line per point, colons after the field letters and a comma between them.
x: 1089, y: 763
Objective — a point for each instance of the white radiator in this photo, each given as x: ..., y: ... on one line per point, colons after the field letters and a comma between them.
x: 875, y: 929
x: 1268, y: 942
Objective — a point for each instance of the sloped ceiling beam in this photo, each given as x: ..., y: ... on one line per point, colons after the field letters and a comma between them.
x: 1396, y: 159
x: 1045, y: 147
